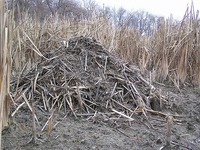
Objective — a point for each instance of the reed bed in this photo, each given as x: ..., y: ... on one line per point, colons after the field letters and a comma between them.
x: 171, y: 54
x: 175, y: 50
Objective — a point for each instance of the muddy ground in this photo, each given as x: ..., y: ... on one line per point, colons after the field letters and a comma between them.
x: 84, y: 133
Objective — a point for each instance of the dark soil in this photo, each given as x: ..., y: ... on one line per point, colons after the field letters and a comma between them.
x: 92, y: 97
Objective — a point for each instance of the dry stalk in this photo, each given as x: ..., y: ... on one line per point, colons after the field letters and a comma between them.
x: 123, y: 115
x: 34, y: 126
x: 80, y: 101
x: 172, y: 46
x: 6, y: 27
x: 170, y: 121
x: 49, y: 123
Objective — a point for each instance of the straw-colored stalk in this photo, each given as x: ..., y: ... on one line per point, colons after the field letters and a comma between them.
x: 171, y: 52
x: 5, y: 65
x: 175, y: 50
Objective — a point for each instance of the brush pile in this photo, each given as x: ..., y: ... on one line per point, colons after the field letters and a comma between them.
x: 83, y: 78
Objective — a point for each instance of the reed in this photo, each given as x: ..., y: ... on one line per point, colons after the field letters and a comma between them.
x: 171, y: 52
x: 175, y: 49
x: 6, y: 27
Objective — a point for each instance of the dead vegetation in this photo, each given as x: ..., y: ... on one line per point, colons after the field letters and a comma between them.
x: 83, y: 79
x: 6, y: 27
x: 104, y: 69
x: 84, y: 76
x: 170, y: 54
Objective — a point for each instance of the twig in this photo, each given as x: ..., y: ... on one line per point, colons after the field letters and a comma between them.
x: 92, y: 114
x: 86, y: 61
x: 34, y: 126
x: 105, y: 66
x: 113, y: 89
x: 17, y: 109
x: 29, y: 106
x: 69, y: 102
x: 80, y: 101
x: 122, y: 105
x: 169, y: 128
x: 122, y: 114
x: 35, y: 81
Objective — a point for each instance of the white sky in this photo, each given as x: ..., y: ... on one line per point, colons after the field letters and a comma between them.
x: 158, y: 7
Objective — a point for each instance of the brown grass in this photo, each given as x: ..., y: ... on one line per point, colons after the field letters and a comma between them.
x: 175, y: 50
x: 6, y: 26
x: 170, y: 54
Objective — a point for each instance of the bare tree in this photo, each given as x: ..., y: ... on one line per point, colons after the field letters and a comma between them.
x: 120, y: 17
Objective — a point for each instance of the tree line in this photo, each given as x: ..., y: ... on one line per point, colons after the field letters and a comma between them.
x: 143, y: 21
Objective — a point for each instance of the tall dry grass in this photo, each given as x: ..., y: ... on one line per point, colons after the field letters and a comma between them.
x: 6, y: 27
x: 175, y: 50
x: 171, y: 54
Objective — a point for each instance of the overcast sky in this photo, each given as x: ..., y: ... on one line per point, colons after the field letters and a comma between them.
x: 157, y: 7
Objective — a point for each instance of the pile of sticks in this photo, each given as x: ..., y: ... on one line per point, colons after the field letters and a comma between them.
x: 84, y: 78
